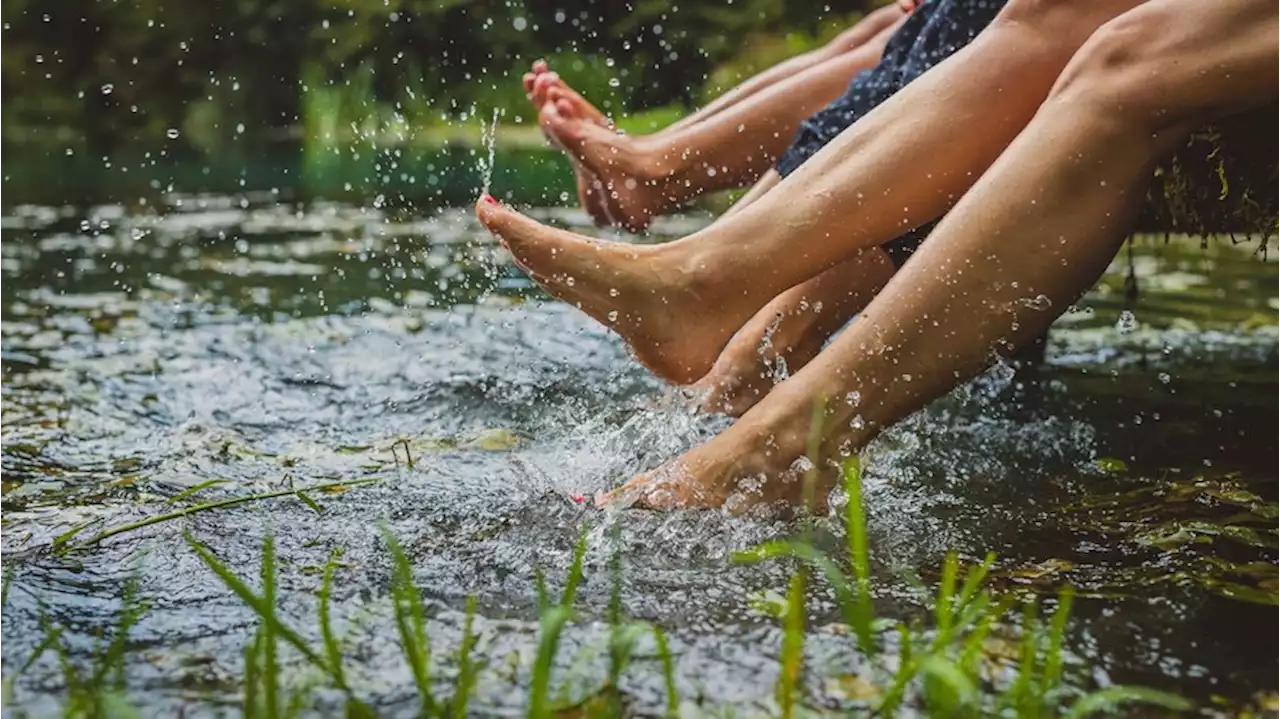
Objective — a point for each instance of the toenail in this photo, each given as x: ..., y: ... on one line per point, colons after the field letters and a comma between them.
x: 489, y: 199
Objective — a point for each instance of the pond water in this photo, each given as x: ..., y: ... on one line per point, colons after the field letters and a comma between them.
x: 267, y: 343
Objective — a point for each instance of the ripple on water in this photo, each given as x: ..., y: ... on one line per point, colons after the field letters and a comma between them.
x: 269, y: 345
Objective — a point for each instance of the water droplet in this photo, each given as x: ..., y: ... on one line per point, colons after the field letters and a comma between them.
x: 613, y: 315
x: 1127, y: 322
x: 613, y: 292
x: 519, y: 23
x: 108, y: 88
x: 172, y: 133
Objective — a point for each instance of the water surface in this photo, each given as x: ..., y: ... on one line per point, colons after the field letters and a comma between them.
x: 266, y: 343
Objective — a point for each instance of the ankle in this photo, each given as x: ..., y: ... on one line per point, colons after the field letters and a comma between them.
x: 659, y: 163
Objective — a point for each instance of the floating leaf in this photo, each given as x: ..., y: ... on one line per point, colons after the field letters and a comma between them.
x: 852, y: 688
x: 495, y: 440
x: 1111, y: 465
x: 1035, y: 572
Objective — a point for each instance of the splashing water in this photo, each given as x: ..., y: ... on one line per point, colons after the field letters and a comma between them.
x: 488, y: 138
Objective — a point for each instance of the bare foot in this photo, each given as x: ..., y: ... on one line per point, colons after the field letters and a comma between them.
x: 635, y: 183
x: 543, y: 86
x: 550, y: 87
x: 759, y: 460
x: 749, y: 367
x: 665, y: 306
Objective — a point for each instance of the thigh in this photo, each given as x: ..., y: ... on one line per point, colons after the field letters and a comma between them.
x: 1183, y: 61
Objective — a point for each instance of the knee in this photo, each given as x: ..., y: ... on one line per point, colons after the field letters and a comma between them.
x: 1056, y: 27
x: 1117, y: 72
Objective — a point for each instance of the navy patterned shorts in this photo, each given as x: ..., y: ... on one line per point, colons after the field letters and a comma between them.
x: 933, y: 32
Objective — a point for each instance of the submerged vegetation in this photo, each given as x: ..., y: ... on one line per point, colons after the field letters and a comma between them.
x: 941, y: 667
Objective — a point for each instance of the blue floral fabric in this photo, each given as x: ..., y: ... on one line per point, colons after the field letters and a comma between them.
x: 933, y: 32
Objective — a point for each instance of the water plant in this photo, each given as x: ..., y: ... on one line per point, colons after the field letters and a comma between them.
x: 942, y: 668
x: 940, y: 665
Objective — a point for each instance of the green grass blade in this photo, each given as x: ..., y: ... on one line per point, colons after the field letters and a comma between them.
x: 971, y: 650
x: 270, y: 663
x: 332, y: 645
x: 313, y: 504
x: 835, y: 577
x: 540, y: 590
x: 51, y: 638
x: 813, y: 450
x: 192, y: 490
x: 411, y: 622
x: 859, y: 557
x: 792, y: 646
x: 187, y: 511
x: 467, y: 669
x: 1018, y: 694
x: 1113, y: 697
x: 256, y: 603
x: 944, y: 607
x: 973, y: 580
x: 908, y: 667
x: 575, y: 571
x: 668, y: 672
x: 60, y: 542
x: 621, y: 644
x: 112, y: 660
x: 948, y: 690
x: 552, y: 625
x: 4, y: 587
x: 252, y: 675
x: 1057, y: 632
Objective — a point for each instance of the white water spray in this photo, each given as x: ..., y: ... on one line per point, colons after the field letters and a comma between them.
x: 488, y: 138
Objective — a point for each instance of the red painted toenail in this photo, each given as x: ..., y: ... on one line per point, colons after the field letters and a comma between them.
x: 489, y: 199
x: 578, y: 498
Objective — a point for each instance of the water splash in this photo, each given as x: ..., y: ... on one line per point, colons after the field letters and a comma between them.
x: 488, y: 138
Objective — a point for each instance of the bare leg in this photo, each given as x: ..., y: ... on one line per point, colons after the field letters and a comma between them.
x: 540, y: 80
x: 647, y: 175
x: 1032, y: 235
x: 790, y: 331
x: 902, y: 165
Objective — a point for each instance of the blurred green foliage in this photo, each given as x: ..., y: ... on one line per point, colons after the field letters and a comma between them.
x: 102, y: 75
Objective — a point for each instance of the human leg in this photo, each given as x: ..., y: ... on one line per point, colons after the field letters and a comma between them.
x: 831, y: 69
x: 789, y: 332
x: 541, y: 80
x: 647, y: 175
x: 900, y: 166
x: 1033, y: 234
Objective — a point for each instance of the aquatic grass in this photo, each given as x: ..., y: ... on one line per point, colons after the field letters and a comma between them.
x: 941, y: 664
x: 63, y: 541
x: 193, y: 490
x: 938, y: 669
x: 411, y: 623
x: 262, y: 668
x: 468, y: 669
x: 668, y: 671
x: 99, y: 691
x: 332, y: 646
x: 270, y: 658
x: 863, y: 611
x: 792, y: 655
x: 551, y: 626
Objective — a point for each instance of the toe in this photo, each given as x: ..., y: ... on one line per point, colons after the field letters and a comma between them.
x: 541, y: 84
x: 539, y: 67
x: 635, y: 493
x: 527, y: 82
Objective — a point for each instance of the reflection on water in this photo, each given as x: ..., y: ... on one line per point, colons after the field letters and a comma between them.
x: 149, y: 350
